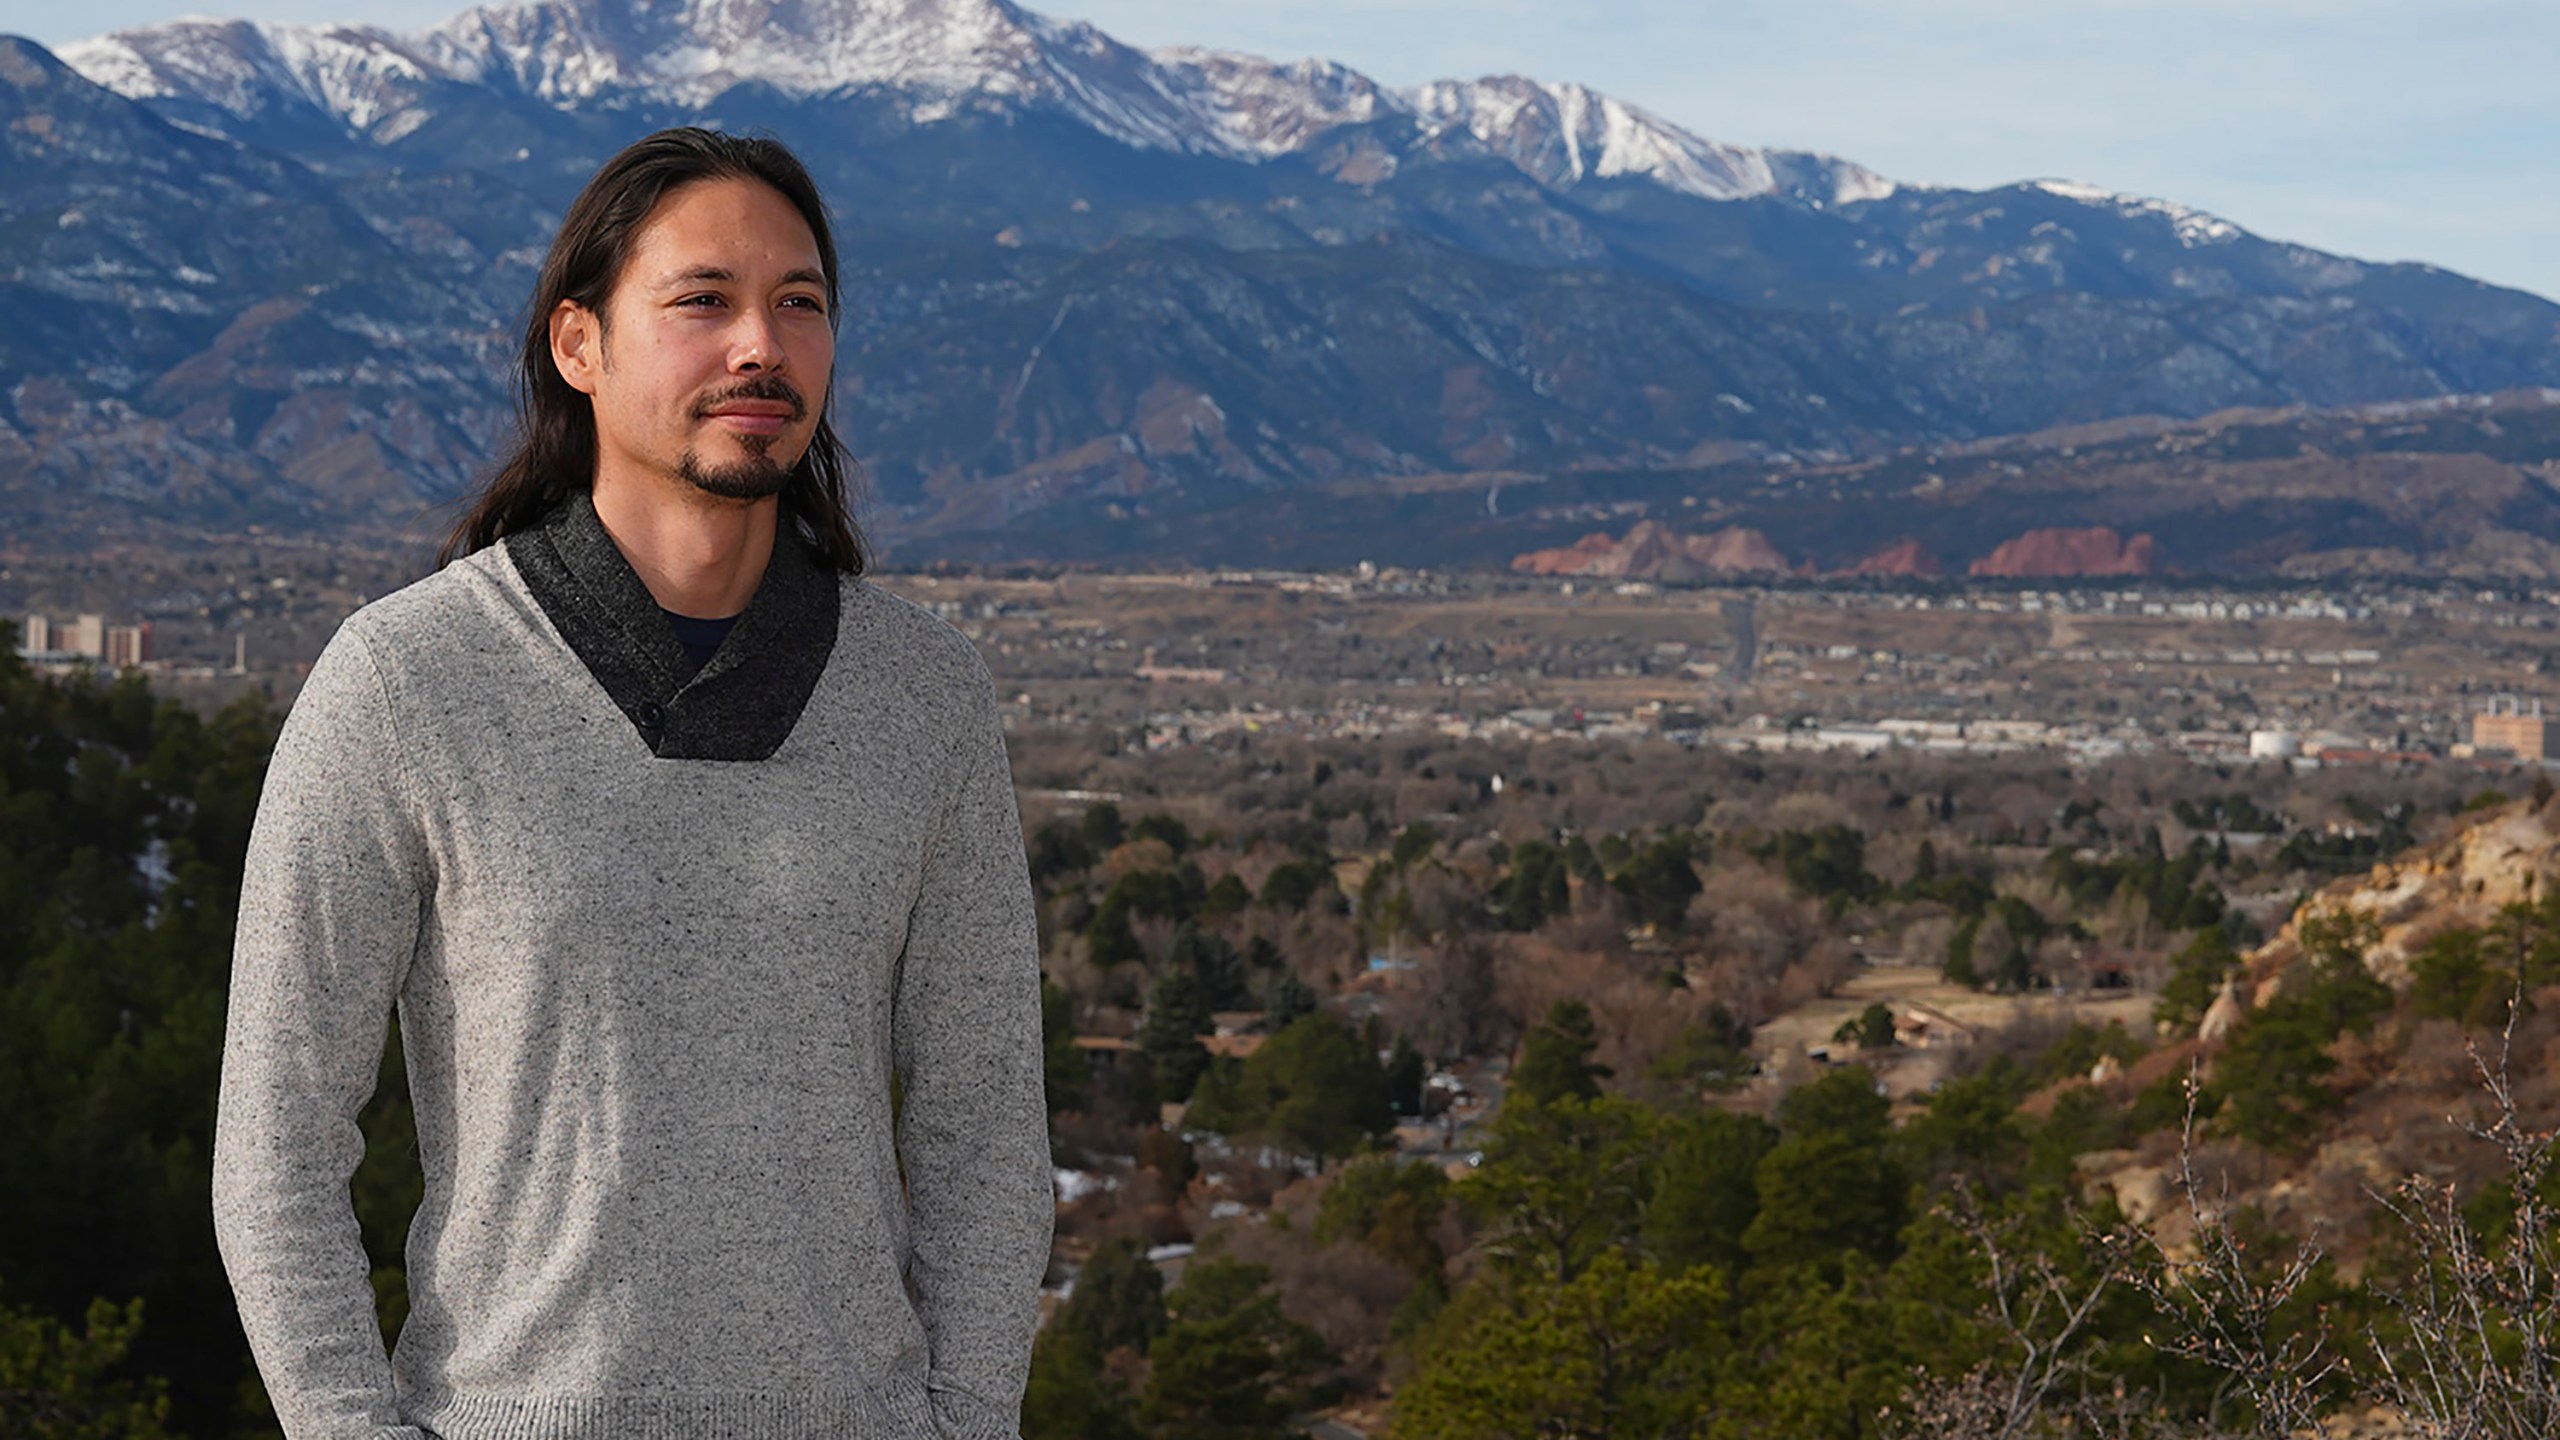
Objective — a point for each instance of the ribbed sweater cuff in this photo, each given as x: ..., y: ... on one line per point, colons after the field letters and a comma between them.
x: 959, y: 1415
x: 788, y: 1415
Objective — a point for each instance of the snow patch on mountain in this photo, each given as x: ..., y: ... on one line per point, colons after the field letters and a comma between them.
x: 1561, y: 134
x: 116, y: 62
x: 1850, y: 183
x: 237, y: 66
x: 1264, y: 108
x: 2193, y: 227
x: 356, y: 74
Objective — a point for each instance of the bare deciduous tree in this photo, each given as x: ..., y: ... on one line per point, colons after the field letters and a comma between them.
x: 2219, y: 1308
x: 1447, y: 1004
x: 2039, y: 1383
x: 2481, y: 1315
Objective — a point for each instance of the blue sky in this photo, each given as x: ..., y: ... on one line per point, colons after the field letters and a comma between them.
x: 2386, y: 129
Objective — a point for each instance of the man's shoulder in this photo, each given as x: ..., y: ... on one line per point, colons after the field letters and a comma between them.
x: 895, y: 633
x: 456, y: 609
x: 438, y: 597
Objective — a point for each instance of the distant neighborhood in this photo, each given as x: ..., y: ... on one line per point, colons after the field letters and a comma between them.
x: 2307, y: 675
x: 50, y: 644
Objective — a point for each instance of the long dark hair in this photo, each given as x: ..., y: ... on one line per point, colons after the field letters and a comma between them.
x: 555, y: 452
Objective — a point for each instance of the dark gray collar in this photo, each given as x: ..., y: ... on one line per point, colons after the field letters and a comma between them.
x: 743, y: 704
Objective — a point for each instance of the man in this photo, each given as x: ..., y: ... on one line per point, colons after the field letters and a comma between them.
x: 680, y: 850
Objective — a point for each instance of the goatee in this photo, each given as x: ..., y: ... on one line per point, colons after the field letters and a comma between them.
x: 754, y: 478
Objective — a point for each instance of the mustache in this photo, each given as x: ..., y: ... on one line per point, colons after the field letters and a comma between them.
x: 769, y: 388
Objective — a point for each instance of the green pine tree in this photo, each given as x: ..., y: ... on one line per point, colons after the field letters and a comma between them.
x: 1169, y: 1037
x: 58, y: 1383
x: 1313, y: 1085
x: 1623, y: 1349
x: 1562, y: 1182
x: 1555, y: 1060
x: 1704, y: 1194
x: 1229, y: 1365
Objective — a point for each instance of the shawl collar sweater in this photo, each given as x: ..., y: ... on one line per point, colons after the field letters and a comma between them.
x: 657, y: 942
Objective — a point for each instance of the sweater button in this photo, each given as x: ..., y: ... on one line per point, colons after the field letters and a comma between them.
x: 651, y: 715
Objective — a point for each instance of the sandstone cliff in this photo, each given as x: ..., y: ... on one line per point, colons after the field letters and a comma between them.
x: 2404, y: 1079
x: 1903, y: 557
x: 1654, y: 551
x: 2061, y: 554
x: 2463, y: 880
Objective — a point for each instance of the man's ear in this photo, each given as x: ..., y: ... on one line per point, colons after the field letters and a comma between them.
x: 577, y: 345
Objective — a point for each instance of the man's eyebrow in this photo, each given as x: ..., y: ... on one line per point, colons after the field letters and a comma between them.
x: 722, y: 275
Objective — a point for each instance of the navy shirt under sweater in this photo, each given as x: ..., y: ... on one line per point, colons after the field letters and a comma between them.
x: 700, y: 638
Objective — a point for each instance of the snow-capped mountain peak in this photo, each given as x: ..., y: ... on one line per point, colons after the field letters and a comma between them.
x: 934, y: 54
x: 692, y: 50
x: 249, y: 68
x: 1561, y: 134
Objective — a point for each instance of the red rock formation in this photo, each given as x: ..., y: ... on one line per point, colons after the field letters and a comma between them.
x: 1574, y: 559
x: 1654, y: 551
x: 1902, y: 557
x: 1649, y: 550
x: 1737, y: 550
x: 2054, y: 554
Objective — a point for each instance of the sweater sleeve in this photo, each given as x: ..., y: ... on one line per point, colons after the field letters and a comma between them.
x: 329, y: 914
x: 973, y: 1129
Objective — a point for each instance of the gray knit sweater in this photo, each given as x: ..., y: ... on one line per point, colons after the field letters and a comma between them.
x: 651, y: 1005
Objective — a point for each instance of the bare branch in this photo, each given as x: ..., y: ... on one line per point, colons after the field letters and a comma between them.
x: 2220, y: 1312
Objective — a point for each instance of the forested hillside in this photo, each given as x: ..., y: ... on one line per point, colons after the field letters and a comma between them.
x: 123, y: 820
x: 1273, y: 965
x: 1672, y: 1221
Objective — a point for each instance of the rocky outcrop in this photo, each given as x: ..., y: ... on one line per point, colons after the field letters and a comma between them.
x: 2461, y: 879
x: 2062, y: 554
x: 1654, y: 551
x: 2223, y: 1016
x: 1906, y: 558
x: 1737, y: 552
x: 1583, y: 557
x: 2508, y: 856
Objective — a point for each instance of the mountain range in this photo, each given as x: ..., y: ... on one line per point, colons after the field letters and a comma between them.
x: 269, y: 275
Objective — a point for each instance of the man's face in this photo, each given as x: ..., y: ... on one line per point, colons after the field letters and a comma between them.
x: 711, y: 364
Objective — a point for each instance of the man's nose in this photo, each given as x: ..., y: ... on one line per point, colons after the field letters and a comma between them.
x: 757, y: 345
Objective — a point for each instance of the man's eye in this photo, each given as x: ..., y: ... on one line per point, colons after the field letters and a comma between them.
x: 700, y: 300
x: 806, y: 302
